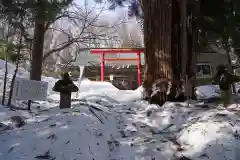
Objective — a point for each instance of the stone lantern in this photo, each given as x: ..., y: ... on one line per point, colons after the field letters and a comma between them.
x: 65, y: 87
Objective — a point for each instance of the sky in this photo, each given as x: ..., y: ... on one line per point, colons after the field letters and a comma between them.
x: 106, y: 13
x: 112, y: 16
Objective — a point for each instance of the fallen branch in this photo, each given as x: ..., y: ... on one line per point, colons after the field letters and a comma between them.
x: 46, y: 155
x: 95, y: 114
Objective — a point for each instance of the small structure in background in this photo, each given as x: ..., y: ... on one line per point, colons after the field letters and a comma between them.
x: 207, y: 61
x: 104, y: 52
x: 124, y: 64
x: 65, y: 86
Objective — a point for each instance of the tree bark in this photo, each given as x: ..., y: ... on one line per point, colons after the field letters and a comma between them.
x: 196, y: 6
x: 189, y: 13
x: 184, y: 43
x: 161, y: 48
x: 17, y: 66
x: 191, y: 58
x: 37, y: 52
x: 227, y: 48
x: 6, y: 68
x: 5, y: 77
x: 176, y: 52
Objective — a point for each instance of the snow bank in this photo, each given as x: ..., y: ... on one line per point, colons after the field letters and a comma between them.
x: 66, y: 134
x: 90, y: 89
x: 202, y: 92
x: 130, y: 130
x: 96, y: 86
x: 175, y: 130
x: 107, y: 123
x: 11, y: 67
x: 207, y: 91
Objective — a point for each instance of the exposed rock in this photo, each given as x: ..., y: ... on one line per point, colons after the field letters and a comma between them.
x: 4, y: 127
x: 18, y: 121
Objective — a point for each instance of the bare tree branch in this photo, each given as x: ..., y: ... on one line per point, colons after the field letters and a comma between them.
x: 81, y: 16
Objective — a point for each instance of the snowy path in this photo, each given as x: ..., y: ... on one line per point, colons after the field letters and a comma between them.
x: 170, y: 132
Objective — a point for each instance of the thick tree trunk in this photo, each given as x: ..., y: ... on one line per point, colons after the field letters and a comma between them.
x: 37, y: 53
x: 190, y: 67
x: 196, y: 5
x: 184, y: 43
x: 189, y: 12
x: 161, y: 48
x: 176, y: 53
x: 227, y: 48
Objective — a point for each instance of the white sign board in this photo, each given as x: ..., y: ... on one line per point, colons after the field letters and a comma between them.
x: 25, y: 89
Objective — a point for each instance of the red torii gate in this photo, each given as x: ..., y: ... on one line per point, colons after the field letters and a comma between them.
x: 104, y: 51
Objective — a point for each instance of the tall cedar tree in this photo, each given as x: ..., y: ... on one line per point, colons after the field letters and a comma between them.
x: 162, y: 24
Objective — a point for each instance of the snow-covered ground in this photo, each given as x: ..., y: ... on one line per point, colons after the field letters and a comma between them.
x: 105, y: 123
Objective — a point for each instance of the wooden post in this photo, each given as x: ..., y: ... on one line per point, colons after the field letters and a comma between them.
x: 65, y: 100
x: 102, y: 66
x: 139, y: 69
x: 29, y: 105
x: 188, y: 89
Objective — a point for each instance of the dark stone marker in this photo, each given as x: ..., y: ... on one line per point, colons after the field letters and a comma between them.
x: 65, y: 86
x: 65, y: 100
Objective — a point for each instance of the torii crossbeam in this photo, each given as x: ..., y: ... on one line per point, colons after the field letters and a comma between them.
x: 103, y: 51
